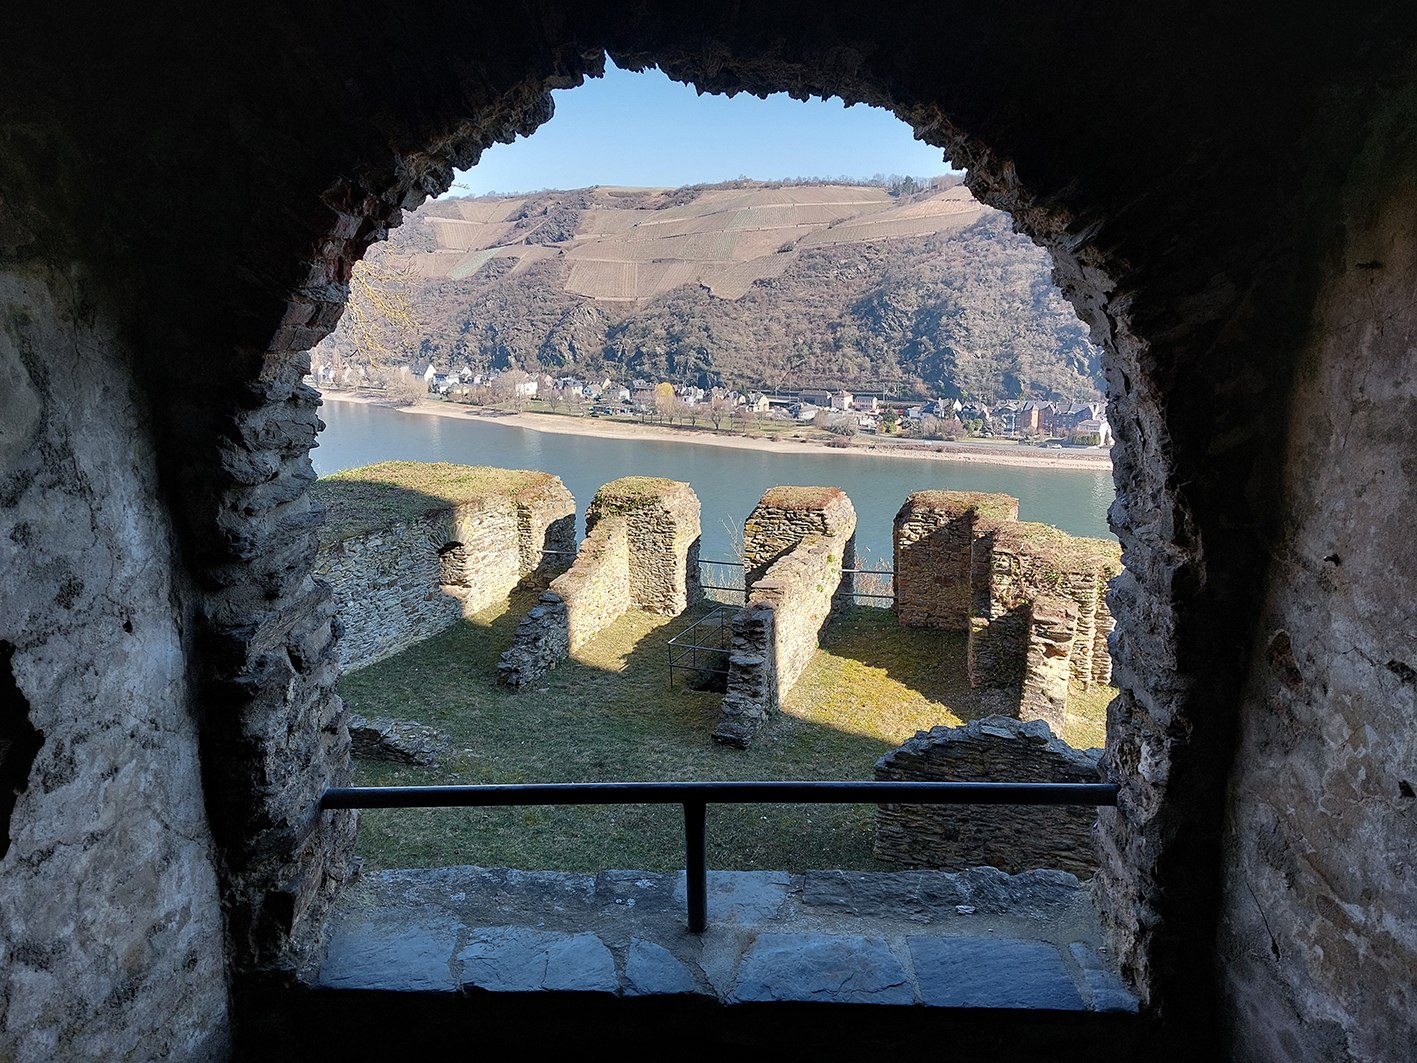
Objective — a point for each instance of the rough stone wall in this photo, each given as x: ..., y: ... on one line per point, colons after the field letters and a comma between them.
x: 389, y: 588
x: 1014, y: 644
x: 581, y: 602
x: 933, y: 534
x: 1052, y: 631
x: 662, y: 523
x: 406, y: 581
x: 111, y: 938
x: 1010, y: 837
x: 785, y: 516
x: 1191, y: 221
x: 807, y: 532
x: 751, y: 698
x: 1319, y: 916
x: 641, y: 551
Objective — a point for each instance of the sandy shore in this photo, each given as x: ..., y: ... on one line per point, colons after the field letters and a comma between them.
x: 968, y: 453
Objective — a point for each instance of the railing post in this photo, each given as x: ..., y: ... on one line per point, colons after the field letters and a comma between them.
x: 696, y: 864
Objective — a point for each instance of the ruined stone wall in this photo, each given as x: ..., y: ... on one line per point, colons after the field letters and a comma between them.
x: 111, y: 936
x: 1010, y: 837
x: 752, y: 694
x: 389, y: 588
x: 1036, y: 609
x: 408, y: 579
x: 641, y: 551
x: 662, y: 523
x: 933, y: 536
x: 1053, y: 623
x: 581, y: 602
x: 596, y: 589
x: 800, y: 586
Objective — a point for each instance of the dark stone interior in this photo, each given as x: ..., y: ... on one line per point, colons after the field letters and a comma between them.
x: 1229, y: 199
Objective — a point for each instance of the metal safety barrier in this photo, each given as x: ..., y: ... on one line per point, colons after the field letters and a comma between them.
x: 695, y: 797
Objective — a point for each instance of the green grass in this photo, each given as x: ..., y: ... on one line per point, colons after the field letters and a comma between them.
x: 609, y: 715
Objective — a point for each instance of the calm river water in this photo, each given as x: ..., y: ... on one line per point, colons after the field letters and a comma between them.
x: 728, y: 481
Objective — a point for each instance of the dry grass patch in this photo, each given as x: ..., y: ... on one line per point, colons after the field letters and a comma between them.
x: 610, y: 715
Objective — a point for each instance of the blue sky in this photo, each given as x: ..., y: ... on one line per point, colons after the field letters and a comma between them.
x: 643, y: 129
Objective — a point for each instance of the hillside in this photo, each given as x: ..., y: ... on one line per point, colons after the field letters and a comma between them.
x: 750, y: 285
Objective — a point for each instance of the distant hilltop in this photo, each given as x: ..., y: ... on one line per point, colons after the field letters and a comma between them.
x: 902, y: 290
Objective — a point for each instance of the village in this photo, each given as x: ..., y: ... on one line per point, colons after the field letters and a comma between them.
x: 840, y: 412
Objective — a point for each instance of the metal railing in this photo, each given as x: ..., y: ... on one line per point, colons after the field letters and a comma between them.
x: 870, y: 572
x: 695, y: 797
x: 702, y: 648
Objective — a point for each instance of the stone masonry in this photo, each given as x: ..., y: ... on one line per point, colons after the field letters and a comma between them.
x: 934, y: 534
x: 795, y: 544
x: 1030, y: 596
x: 1012, y: 838
x: 1014, y: 564
x: 641, y: 551
x: 412, y: 548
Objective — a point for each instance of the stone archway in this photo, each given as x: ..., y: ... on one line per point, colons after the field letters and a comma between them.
x: 1190, y: 179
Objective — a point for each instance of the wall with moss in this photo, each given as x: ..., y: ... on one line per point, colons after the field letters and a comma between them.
x: 412, y: 548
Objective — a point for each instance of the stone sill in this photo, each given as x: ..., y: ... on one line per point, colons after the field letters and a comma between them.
x: 977, y: 939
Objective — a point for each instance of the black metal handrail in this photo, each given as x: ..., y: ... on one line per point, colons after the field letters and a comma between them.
x: 695, y: 797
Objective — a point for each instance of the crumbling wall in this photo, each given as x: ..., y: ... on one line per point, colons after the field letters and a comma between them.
x: 794, y: 545
x: 111, y: 935
x: 662, y: 525
x: 1052, y: 630
x: 412, y: 548
x: 933, y: 537
x: 1022, y: 653
x: 1010, y: 837
x: 752, y: 694
x: 641, y: 551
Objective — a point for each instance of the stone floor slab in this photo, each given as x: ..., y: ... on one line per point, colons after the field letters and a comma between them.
x: 1107, y: 991
x: 837, y: 969
x: 992, y: 973
x: 513, y: 959
x: 741, y: 897
x: 399, y: 958
x: 652, y: 970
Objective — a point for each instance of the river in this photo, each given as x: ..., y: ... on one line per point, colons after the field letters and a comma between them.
x: 728, y: 481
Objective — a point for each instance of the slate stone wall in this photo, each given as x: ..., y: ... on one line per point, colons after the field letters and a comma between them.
x: 752, y: 695
x: 1010, y: 837
x: 933, y: 535
x: 1015, y: 643
x: 662, y: 525
x: 641, y: 551
x: 408, y: 580
x: 1052, y: 636
x: 795, y: 544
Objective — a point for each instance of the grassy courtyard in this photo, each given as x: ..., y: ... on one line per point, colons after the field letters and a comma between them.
x: 610, y: 715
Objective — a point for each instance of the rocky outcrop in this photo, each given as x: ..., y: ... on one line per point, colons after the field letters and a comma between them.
x: 1012, y: 838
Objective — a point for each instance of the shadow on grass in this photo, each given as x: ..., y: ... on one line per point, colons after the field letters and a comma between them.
x: 607, y: 715
x: 875, y: 678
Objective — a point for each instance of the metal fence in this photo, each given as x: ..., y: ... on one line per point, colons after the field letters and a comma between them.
x: 702, y: 648
x: 695, y: 797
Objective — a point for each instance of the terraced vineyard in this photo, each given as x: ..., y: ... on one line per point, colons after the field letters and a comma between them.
x: 752, y: 285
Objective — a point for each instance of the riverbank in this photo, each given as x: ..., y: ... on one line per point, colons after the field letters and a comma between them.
x: 1090, y: 459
